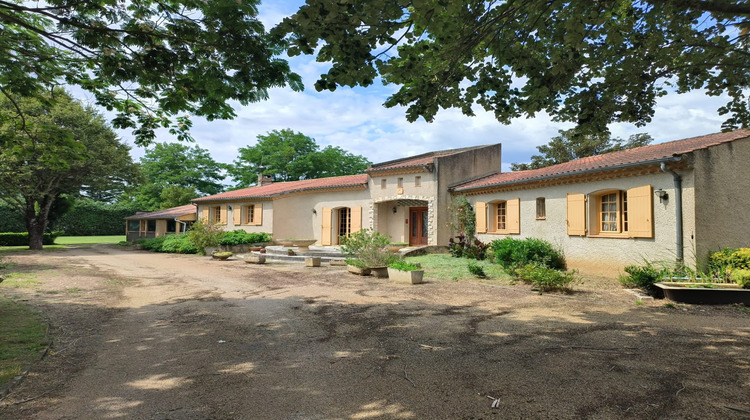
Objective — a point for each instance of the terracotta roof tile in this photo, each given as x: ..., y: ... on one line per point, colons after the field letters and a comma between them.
x: 416, y: 161
x: 165, y: 214
x: 606, y: 161
x: 280, y: 188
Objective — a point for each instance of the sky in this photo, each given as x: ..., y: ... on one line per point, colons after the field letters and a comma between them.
x: 355, y: 119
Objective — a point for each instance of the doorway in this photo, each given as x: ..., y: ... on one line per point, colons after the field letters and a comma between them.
x: 418, y: 232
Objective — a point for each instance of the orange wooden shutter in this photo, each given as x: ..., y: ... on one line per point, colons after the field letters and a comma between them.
x: 640, y: 212
x: 237, y: 214
x: 258, y: 214
x: 513, y: 216
x: 577, y: 214
x: 223, y: 215
x: 356, y: 219
x: 325, y: 234
x: 205, y: 214
x: 480, y: 212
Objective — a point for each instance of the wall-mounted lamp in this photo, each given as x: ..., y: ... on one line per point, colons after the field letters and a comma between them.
x: 395, y: 210
x: 663, y: 195
x: 229, y: 207
x: 315, y: 211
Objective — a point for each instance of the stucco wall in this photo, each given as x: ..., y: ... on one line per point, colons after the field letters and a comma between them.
x: 599, y: 255
x: 294, y: 217
x: 457, y: 168
x: 428, y: 188
x: 266, y: 225
x: 384, y: 200
x: 722, y: 185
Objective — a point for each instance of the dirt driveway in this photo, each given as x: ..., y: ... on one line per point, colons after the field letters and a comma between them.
x: 155, y: 336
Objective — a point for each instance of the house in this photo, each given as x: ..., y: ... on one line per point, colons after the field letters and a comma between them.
x: 154, y: 224
x: 671, y: 201
x: 406, y: 199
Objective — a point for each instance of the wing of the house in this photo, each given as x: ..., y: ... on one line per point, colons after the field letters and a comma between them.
x: 154, y: 224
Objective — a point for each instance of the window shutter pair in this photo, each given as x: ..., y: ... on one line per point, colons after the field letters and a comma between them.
x: 640, y: 213
x: 240, y: 214
x: 223, y: 214
x: 512, y: 216
x: 326, y: 234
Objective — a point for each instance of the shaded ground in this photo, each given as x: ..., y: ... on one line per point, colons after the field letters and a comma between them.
x: 142, y: 335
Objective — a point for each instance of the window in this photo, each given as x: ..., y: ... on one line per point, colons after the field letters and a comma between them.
x: 151, y: 226
x: 500, y: 213
x: 612, y: 213
x: 171, y: 226
x: 345, y: 221
x: 401, y: 182
x: 250, y: 214
x: 541, y: 209
x: 134, y: 225
x: 383, y: 183
x: 217, y: 214
x: 417, y: 181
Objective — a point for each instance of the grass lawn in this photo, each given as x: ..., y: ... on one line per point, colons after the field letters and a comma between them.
x: 445, y: 267
x: 23, y: 335
x: 75, y: 240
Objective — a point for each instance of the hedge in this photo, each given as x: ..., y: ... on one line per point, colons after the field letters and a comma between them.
x: 22, y: 239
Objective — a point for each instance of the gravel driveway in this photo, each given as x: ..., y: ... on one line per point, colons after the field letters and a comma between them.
x: 158, y: 336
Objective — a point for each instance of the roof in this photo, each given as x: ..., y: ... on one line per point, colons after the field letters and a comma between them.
x: 416, y: 161
x: 631, y: 157
x: 170, y: 213
x: 281, y: 188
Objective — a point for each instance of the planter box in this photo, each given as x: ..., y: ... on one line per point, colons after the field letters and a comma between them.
x: 381, y: 272
x: 364, y: 271
x: 255, y: 259
x: 312, y: 262
x: 721, y: 294
x: 411, y: 277
x: 337, y: 262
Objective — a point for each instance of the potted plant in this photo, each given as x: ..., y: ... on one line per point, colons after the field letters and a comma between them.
x: 290, y: 252
x: 370, y: 248
x: 358, y: 267
x: 405, y: 272
x: 222, y: 255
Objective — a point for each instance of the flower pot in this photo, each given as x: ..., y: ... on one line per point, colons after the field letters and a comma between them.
x: 361, y: 271
x: 301, y: 244
x: 221, y: 257
x: 381, y: 272
x: 255, y: 259
x: 411, y: 277
x: 717, y: 294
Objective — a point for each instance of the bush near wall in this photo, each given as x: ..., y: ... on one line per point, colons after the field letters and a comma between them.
x: 10, y: 219
x: 22, y: 239
x: 94, y: 218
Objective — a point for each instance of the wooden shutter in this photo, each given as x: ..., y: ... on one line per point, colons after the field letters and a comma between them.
x: 640, y: 212
x: 513, y: 216
x: 237, y: 214
x: 325, y: 234
x: 356, y: 219
x: 258, y: 214
x: 223, y: 214
x: 205, y: 214
x: 577, y: 214
x: 480, y: 212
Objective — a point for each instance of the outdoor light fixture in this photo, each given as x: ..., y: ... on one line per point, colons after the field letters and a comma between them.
x: 663, y: 195
x: 395, y: 210
x: 315, y: 211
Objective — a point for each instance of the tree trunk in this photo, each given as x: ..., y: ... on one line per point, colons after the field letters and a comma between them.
x: 36, y: 215
x: 36, y: 234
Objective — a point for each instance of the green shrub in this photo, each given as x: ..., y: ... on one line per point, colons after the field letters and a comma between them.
x: 240, y: 237
x: 404, y: 266
x: 463, y: 247
x: 642, y: 277
x: 740, y: 259
x: 152, y: 244
x: 22, y: 239
x: 543, y: 278
x: 178, y: 244
x: 369, y: 247
x: 204, y: 234
x: 355, y: 263
x: 476, y: 269
x: 511, y: 252
x: 741, y: 277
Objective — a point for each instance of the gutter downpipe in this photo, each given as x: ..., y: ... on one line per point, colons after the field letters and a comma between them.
x: 184, y: 225
x: 678, y: 208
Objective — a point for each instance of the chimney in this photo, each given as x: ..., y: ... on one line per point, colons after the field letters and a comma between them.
x: 264, y: 180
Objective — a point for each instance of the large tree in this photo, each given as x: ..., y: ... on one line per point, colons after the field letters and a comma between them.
x: 588, y: 62
x: 286, y: 155
x: 59, y: 147
x: 175, y: 173
x: 570, y: 144
x: 153, y: 62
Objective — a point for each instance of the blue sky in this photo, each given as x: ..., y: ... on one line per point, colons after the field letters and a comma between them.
x: 355, y: 119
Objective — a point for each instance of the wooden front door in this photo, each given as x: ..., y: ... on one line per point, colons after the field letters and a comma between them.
x: 418, y: 226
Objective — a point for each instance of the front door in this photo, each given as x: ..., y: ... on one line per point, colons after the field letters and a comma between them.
x: 418, y: 226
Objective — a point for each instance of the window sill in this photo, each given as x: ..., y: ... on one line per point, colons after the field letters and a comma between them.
x: 500, y: 233
x: 617, y: 236
x: 541, y: 218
